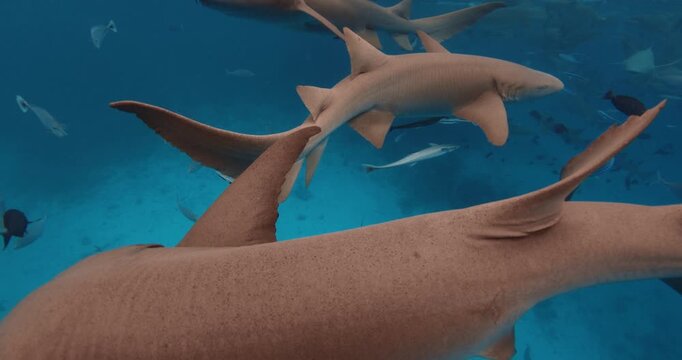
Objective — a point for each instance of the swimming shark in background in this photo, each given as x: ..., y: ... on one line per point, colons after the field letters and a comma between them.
x: 450, y: 283
x: 433, y: 151
x: 379, y: 88
x: 362, y: 16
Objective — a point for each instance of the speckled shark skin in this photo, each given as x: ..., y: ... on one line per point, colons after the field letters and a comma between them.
x: 364, y: 17
x: 448, y: 283
x: 379, y: 88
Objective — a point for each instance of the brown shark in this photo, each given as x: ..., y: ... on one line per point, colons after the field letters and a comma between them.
x: 362, y: 16
x: 448, y: 283
x: 379, y: 88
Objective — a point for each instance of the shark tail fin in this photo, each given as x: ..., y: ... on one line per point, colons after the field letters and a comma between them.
x: 228, y: 152
x: 541, y: 209
x: 443, y: 27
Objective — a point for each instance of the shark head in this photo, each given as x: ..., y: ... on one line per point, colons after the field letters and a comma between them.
x: 526, y: 83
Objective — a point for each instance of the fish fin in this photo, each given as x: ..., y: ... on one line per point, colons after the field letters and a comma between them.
x: 430, y: 44
x: 403, y: 40
x: 34, y: 231
x: 228, y: 152
x: 489, y: 114
x: 303, y: 7
x: 245, y: 213
x: 112, y: 26
x: 313, y: 160
x: 290, y: 180
x: 502, y: 349
x: 371, y: 36
x: 5, y: 238
x: 373, y: 126
x: 363, y: 56
x: 402, y: 9
x: 541, y: 209
x: 314, y: 98
x: 675, y: 284
x: 442, y: 27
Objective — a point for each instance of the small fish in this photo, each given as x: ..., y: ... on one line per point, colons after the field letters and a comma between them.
x: 626, y: 104
x: 433, y: 151
x: 576, y: 76
x: 435, y: 120
x: 240, y: 73
x: 58, y: 129
x: 227, y: 178
x: 99, y: 32
x: 606, y: 116
x: 14, y: 224
x: 571, y: 58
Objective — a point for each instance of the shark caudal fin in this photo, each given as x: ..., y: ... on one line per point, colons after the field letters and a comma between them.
x: 246, y: 213
x: 442, y: 27
x: 228, y: 152
x: 541, y: 209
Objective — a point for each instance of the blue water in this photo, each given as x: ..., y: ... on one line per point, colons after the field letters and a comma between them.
x: 112, y: 182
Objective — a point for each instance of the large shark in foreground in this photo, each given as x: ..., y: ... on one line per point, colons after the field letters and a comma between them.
x: 362, y: 16
x: 448, y: 283
x: 379, y: 88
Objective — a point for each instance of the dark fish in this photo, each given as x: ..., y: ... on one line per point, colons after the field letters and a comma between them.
x: 626, y: 104
x: 15, y: 223
x: 560, y: 129
x: 417, y: 124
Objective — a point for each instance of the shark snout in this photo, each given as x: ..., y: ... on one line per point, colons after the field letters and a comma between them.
x: 548, y: 84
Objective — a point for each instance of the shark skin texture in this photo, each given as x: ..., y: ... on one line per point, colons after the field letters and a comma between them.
x: 451, y: 283
x: 380, y: 88
x: 362, y: 16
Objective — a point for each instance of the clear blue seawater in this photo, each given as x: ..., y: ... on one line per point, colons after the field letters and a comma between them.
x: 112, y: 182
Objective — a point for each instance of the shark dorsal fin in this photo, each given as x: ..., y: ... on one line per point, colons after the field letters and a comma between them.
x: 245, y: 214
x: 363, y: 56
x: 431, y: 44
x: 314, y: 98
x: 402, y: 9
x: 541, y: 209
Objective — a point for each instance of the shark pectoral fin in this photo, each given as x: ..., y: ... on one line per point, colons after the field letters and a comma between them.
x: 430, y: 44
x: 289, y: 181
x: 246, y: 213
x: 373, y: 126
x: 363, y: 56
x: 314, y: 98
x: 371, y: 37
x: 403, y: 40
x: 312, y: 160
x: 303, y: 7
x: 541, y: 209
x: 402, y: 9
x: 502, y: 349
x: 489, y: 114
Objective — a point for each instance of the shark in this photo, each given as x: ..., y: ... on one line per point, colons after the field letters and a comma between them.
x: 379, y: 88
x: 364, y: 17
x: 433, y: 151
x: 450, y: 283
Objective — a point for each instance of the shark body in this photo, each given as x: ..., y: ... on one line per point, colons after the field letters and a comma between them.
x: 443, y: 284
x: 362, y: 16
x: 379, y: 88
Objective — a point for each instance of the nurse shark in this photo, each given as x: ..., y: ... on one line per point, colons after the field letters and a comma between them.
x: 362, y: 16
x: 450, y: 283
x: 379, y: 88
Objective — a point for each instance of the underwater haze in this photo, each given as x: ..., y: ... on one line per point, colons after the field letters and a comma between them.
x: 99, y: 179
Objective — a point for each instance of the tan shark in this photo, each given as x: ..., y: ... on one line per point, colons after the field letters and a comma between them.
x: 451, y: 283
x: 362, y: 16
x: 379, y: 88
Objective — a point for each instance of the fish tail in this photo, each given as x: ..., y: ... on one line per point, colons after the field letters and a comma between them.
x: 5, y: 237
x: 228, y: 152
x: 369, y: 168
x: 608, y: 95
x: 442, y: 27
